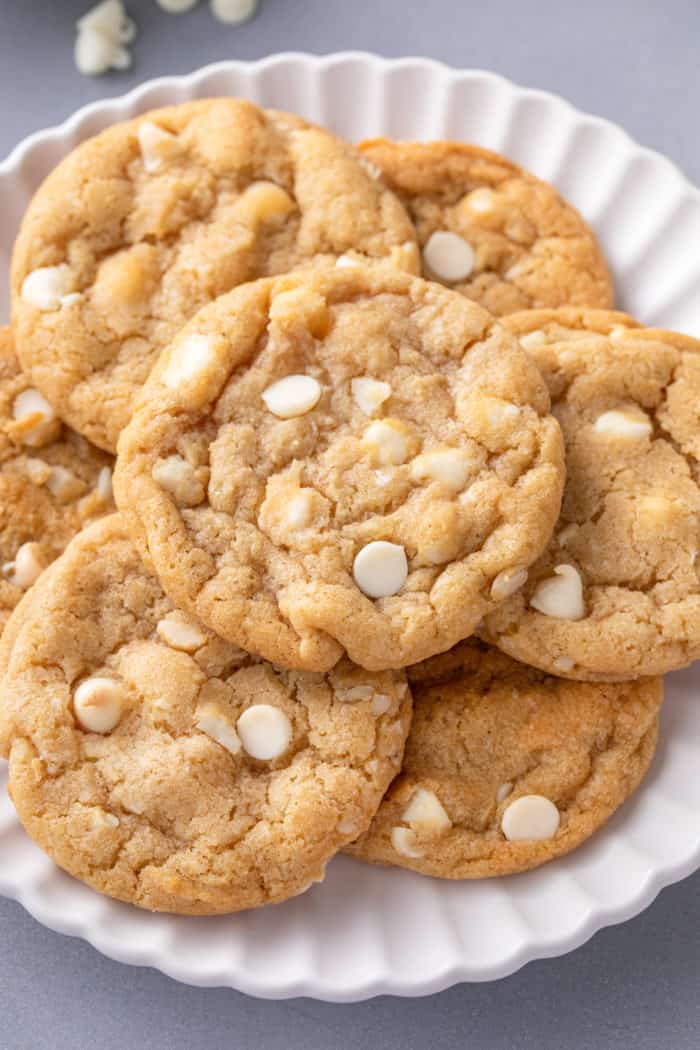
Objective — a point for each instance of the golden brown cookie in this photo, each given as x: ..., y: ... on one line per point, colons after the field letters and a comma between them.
x: 164, y: 767
x: 343, y: 459
x: 507, y: 768
x: 491, y: 230
x: 52, y: 481
x: 616, y: 594
x: 151, y: 219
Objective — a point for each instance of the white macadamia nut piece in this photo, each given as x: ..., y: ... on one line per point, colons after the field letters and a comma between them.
x: 179, y: 632
x: 508, y: 582
x: 405, y: 842
x: 560, y: 595
x: 292, y: 396
x: 98, y: 704
x: 265, y: 731
x: 530, y: 818
x: 192, y: 357
x: 623, y: 424
x: 448, y: 256
x: 380, y: 569
x: 47, y: 287
x: 157, y: 145
x: 369, y: 394
x: 210, y: 721
x: 426, y: 813
x: 233, y: 12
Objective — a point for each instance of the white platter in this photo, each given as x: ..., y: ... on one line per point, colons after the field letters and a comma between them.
x: 367, y: 931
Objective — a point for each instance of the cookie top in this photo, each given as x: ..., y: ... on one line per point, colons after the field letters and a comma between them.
x: 343, y: 459
x: 52, y: 481
x: 167, y: 768
x: 616, y: 594
x: 506, y: 768
x: 151, y: 219
x: 491, y: 230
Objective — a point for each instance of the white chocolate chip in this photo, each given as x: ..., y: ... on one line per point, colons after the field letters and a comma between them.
x: 37, y: 416
x: 178, y: 477
x: 98, y: 704
x: 530, y: 818
x: 211, y: 721
x: 27, y: 567
x: 299, y: 510
x: 179, y: 632
x: 111, y: 820
x: 193, y: 356
x: 623, y: 424
x: 508, y: 582
x: 104, y: 484
x: 369, y: 394
x: 353, y: 693
x: 503, y: 792
x: 157, y: 145
x: 380, y: 704
x: 265, y: 731
x: 47, y: 287
x: 563, y: 664
x: 448, y: 256
x: 479, y: 201
x: 386, y: 439
x: 349, y: 827
x: 560, y: 595
x: 347, y: 260
x: 233, y: 12
x: 176, y: 7
x: 405, y: 842
x: 292, y: 396
x: 532, y: 339
x: 63, y: 484
x: 450, y: 466
x: 426, y: 813
x: 380, y: 569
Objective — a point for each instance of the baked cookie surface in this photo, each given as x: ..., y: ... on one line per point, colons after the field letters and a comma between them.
x: 140, y: 226
x: 342, y: 459
x: 52, y: 481
x: 616, y: 594
x: 491, y: 230
x: 165, y: 767
x: 506, y: 768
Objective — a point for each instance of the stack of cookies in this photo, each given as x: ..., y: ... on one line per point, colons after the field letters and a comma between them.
x: 408, y: 516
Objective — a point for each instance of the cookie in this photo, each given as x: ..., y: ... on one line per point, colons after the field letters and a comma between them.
x: 151, y: 219
x: 492, y: 231
x: 52, y: 481
x: 616, y: 594
x: 164, y: 767
x: 346, y: 459
x: 507, y: 768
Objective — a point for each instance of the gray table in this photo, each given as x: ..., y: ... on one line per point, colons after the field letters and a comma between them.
x: 631, y: 986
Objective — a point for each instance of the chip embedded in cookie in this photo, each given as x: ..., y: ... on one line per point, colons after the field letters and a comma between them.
x: 506, y: 767
x: 52, y: 481
x: 345, y: 459
x: 165, y: 767
x: 616, y: 595
x: 139, y: 227
x: 491, y: 230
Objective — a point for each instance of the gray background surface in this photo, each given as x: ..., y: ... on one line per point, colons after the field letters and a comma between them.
x: 634, y: 61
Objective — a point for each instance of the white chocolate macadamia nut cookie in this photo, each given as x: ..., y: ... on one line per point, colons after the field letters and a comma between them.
x: 299, y: 525
x: 506, y: 767
x: 491, y: 230
x: 52, y: 481
x: 166, y: 767
x: 143, y: 224
x: 616, y: 594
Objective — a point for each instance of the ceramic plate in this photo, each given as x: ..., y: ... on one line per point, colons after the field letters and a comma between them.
x: 367, y: 931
